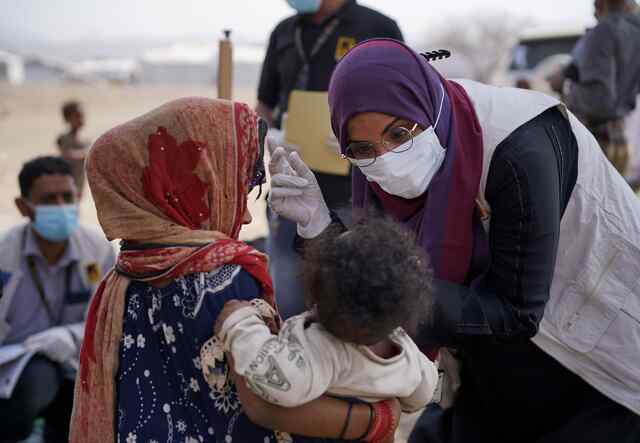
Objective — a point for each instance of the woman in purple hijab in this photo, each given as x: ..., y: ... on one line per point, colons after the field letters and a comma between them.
x: 534, y: 241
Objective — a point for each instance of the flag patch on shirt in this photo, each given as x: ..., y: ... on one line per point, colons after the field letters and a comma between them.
x: 343, y: 46
x: 93, y: 273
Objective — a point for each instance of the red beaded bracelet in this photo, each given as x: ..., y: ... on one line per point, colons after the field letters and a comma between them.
x: 392, y: 424
x: 383, y: 424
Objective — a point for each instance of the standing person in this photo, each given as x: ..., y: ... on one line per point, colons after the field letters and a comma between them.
x: 72, y: 147
x: 533, y: 236
x: 173, y: 185
x: 49, y: 268
x: 633, y: 126
x: 633, y: 135
x: 606, y: 78
x: 303, y: 50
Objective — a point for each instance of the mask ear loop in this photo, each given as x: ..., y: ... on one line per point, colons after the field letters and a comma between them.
x: 439, y: 110
x: 437, y: 55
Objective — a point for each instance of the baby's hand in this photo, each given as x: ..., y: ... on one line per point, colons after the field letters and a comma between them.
x: 229, y: 308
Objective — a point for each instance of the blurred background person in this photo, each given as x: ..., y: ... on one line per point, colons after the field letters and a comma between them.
x: 633, y: 128
x: 523, y: 83
x: 49, y: 267
x: 601, y: 83
x: 72, y: 147
x: 302, y: 52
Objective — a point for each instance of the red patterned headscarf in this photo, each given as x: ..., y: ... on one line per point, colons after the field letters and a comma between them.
x: 177, y: 178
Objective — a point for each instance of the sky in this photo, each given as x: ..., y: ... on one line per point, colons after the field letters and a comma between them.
x: 59, y: 21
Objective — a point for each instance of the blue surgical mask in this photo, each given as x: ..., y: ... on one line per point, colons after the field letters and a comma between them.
x: 305, y: 6
x: 55, y: 223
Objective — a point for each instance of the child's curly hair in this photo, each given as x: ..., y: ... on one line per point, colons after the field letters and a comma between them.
x: 368, y: 281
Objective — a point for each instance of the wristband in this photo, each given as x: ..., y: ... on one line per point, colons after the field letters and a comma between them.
x: 371, y: 417
x: 391, y: 424
x: 346, y: 422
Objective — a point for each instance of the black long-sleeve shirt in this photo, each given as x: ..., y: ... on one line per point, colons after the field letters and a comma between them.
x: 529, y: 183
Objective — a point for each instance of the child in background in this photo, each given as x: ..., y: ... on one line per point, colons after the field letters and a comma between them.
x: 365, y: 289
x: 72, y: 148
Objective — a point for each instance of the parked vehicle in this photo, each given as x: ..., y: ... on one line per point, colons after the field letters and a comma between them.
x: 538, y: 53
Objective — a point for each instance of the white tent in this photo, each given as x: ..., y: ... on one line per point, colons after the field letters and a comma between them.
x: 111, y: 69
x: 196, y: 62
x: 180, y: 63
x: 11, y: 68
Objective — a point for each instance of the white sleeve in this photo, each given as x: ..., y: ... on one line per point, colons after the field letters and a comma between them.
x: 289, y: 369
x: 77, y: 332
x: 425, y: 390
x: 108, y: 261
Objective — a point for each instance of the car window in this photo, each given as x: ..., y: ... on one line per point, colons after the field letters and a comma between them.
x: 529, y: 53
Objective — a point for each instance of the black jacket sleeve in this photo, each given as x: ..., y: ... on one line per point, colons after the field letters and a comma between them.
x: 529, y: 183
x: 269, y: 86
x: 391, y: 30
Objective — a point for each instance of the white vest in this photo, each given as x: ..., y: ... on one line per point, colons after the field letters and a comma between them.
x: 591, y: 324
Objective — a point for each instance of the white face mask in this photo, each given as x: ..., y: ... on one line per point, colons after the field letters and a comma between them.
x: 408, y: 174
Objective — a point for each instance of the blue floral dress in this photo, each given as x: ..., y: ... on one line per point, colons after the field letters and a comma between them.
x: 162, y: 395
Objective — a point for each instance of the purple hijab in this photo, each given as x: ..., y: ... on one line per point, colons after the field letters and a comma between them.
x: 386, y: 76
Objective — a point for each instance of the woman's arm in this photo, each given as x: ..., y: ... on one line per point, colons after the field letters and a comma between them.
x: 299, y: 243
x: 290, y: 368
x: 529, y: 184
x: 324, y: 417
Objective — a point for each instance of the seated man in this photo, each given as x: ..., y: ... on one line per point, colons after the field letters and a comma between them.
x: 49, y: 268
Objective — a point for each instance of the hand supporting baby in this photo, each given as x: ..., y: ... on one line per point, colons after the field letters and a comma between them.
x: 229, y: 308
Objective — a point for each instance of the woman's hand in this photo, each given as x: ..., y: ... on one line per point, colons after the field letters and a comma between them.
x: 229, y: 308
x: 296, y: 195
x: 255, y: 407
x: 320, y: 418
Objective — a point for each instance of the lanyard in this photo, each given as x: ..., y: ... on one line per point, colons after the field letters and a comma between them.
x: 35, y: 276
x: 302, y: 80
x: 33, y: 270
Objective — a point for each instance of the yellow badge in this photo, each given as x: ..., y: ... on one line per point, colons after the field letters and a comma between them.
x: 343, y: 46
x: 93, y: 273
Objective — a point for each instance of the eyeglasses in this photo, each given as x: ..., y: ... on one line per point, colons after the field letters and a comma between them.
x: 395, y: 139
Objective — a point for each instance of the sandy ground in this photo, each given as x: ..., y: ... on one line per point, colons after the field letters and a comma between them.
x: 30, y: 122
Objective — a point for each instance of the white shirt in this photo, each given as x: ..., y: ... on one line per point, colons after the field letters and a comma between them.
x: 304, y: 361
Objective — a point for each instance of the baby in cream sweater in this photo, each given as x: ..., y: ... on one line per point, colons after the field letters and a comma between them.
x: 365, y: 288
